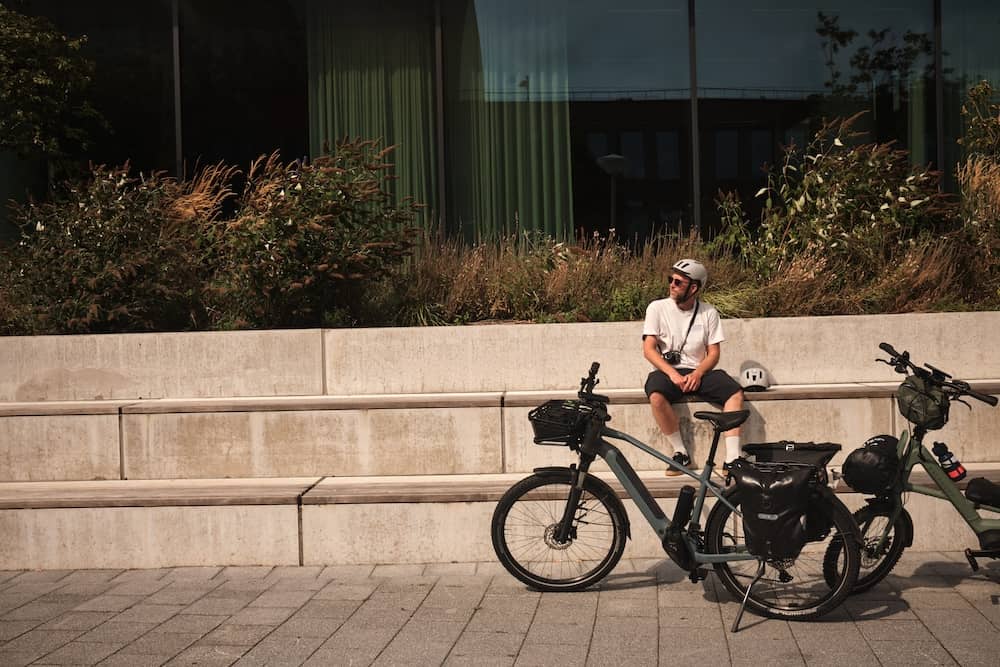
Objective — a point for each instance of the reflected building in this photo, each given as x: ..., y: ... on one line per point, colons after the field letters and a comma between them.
x: 502, y: 110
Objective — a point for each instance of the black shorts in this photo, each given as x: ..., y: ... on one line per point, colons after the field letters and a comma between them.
x: 716, y: 386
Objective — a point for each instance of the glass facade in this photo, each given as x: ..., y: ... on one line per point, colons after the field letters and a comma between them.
x: 562, y: 117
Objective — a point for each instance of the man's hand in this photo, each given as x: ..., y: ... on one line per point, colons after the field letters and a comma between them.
x: 691, y: 381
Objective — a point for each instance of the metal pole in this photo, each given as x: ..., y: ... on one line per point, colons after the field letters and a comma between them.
x: 695, y: 161
x: 442, y: 206
x: 938, y: 89
x: 178, y: 153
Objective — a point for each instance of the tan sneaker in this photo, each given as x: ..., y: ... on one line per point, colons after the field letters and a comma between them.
x: 681, y: 458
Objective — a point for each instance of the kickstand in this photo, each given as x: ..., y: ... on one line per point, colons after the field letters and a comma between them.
x: 971, y: 556
x: 746, y: 596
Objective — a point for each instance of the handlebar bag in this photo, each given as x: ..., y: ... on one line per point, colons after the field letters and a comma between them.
x: 774, y: 499
x: 922, y: 403
x: 872, y: 468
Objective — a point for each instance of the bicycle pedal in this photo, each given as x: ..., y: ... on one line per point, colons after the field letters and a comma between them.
x: 697, y: 574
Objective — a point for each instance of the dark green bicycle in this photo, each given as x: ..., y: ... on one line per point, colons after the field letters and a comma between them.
x: 883, y: 468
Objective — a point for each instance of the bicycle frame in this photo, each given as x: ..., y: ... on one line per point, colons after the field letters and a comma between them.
x: 913, y: 453
x: 644, y: 500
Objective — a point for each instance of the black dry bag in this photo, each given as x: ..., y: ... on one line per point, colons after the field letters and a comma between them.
x: 872, y: 468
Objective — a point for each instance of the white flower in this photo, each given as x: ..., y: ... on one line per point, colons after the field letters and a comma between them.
x: 39, y: 226
x: 838, y: 142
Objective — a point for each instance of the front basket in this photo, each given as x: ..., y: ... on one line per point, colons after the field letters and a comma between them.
x: 559, y: 422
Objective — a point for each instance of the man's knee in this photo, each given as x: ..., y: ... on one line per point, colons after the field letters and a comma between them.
x: 658, y: 401
x: 736, y: 400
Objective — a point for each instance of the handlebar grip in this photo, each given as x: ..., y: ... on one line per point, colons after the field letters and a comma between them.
x: 985, y: 398
x: 594, y: 367
x: 885, y: 347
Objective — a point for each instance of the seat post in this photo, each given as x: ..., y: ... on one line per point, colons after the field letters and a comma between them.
x: 715, y: 445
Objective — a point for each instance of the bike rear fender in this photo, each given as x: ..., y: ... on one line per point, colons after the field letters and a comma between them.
x: 562, y: 472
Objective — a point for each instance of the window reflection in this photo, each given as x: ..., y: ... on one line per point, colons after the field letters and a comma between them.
x: 780, y: 69
x: 536, y: 92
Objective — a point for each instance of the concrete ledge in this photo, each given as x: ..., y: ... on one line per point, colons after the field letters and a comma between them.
x: 429, y: 400
x: 489, y: 488
x: 154, y: 493
x: 59, y: 408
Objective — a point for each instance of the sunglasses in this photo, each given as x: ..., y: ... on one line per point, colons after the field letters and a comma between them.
x: 677, y: 282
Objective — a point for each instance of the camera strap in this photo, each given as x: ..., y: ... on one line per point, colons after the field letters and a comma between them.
x: 697, y: 302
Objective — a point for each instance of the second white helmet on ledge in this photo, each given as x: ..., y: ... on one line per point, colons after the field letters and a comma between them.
x: 754, y: 379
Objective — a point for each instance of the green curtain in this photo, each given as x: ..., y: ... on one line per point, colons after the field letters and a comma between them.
x: 371, y: 75
x: 507, y: 118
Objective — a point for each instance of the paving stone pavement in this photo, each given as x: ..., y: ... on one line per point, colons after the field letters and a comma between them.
x: 931, y: 611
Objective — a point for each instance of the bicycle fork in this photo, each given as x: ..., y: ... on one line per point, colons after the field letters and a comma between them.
x: 564, y: 531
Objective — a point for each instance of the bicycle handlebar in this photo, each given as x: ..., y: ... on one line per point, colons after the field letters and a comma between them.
x: 588, y: 383
x: 900, y: 361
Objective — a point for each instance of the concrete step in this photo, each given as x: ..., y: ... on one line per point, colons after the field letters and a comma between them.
x: 313, y: 520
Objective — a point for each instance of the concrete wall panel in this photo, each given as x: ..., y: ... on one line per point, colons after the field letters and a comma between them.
x: 136, y: 537
x: 397, y: 533
x: 321, y: 442
x: 59, y: 448
x: 554, y: 356
x: 973, y: 435
x: 234, y: 363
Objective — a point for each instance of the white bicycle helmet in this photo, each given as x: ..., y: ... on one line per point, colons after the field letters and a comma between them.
x: 694, y: 270
x: 754, y: 379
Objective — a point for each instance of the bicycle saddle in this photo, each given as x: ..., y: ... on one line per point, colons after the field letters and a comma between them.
x: 724, y: 421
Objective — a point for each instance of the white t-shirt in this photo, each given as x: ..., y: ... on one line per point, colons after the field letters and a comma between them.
x: 669, y: 324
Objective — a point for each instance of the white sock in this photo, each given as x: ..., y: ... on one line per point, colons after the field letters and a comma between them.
x: 677, y: 442
x: 732, y: 448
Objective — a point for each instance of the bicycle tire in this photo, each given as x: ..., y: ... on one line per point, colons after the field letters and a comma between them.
x: 523, y: 529
x: 872, y: 521
x: 795, y: 589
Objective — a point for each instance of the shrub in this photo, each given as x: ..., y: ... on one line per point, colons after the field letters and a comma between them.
x: 307, y: 237
x: 115, y: 253
x: 44, y: 83
x: 853, y: 205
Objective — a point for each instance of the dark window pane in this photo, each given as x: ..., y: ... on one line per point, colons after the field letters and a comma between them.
x: 635, y: 156
x: 969, y: 33
x: 668, y: 159
x: 761, y: 153
x: 783, y: 66
x: 243, y: 80
x: 597, y: 144
x: 727, y: 155
x: 133, y: 85
x: 537, y: 92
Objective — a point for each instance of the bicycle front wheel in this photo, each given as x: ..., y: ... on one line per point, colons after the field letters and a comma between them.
x: 524, y: 530
x: 792, y: 589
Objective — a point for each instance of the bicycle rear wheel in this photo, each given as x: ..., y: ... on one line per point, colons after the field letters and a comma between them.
x: 524, y: 528
x: 793, y: 589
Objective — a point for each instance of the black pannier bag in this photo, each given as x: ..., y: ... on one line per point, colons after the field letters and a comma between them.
x: 818, y: 521
x: 922, y: 403
x: 774, y: 501
x: 872, y: 468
